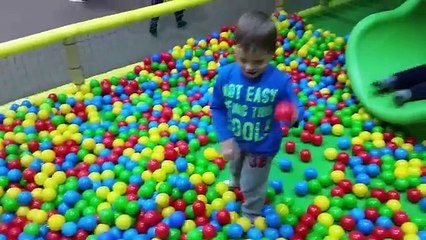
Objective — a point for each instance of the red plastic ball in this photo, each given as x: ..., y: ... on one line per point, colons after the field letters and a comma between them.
x: 316, y: 139
x: 290, y: 147
x: 379, y: 232
x: 395, y: 233
x: 223, y: 216
x: 356, y: 235
x: 314, y: 210
x: 414, y: 195
x: 305, y: 155
x: 371, y: 214
x: 209, y: 231
x: 400, y: 217
x: 199, y: 208
x: 284, y: 111
x: 162, y: 230
x: 347, y: 222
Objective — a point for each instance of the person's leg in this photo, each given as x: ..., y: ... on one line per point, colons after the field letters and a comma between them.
x: 415, y: 93
x: 403, y: 79
x: 154, y: 21
x: 235, y: 167
x: 254, y: 179
x: 179, y: 19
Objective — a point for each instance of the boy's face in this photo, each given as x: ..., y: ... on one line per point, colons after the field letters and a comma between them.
x: 253, y: 63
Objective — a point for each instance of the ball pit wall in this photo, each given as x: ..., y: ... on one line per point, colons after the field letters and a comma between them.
x: 27, y: 70
x: 401, y: 46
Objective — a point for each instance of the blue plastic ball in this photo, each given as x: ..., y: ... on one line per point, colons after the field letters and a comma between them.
x: 254, y: 233
x: 286, y: 231
x: 273, y: 220
x: 69, y: 229
x: 301, y: 188
x: 365, y: 226
x: 310, y: 173
x: 285, y: 165
x: 344, y: 143
x: 235, y: 231
x: 422, y: 204
x: 277, y: 185
x: 177, y: 219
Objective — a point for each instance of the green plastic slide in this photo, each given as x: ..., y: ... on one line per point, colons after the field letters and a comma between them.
x: 380, y: 45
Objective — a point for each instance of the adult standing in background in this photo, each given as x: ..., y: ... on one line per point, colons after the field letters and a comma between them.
x: 154, y: 21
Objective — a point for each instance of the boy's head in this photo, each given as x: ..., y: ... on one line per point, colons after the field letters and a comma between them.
x: 255, y: 39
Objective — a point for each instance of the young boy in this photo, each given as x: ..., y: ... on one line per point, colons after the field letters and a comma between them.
x: 243, y: 102
x: 154, y: 21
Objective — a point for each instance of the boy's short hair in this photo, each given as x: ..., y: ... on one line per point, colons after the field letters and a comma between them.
x: 255, y: 30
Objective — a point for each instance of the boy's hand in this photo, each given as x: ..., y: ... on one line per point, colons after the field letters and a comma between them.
x: 230, y: 150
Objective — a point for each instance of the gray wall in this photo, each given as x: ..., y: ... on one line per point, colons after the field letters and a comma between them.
x: 43, y: 69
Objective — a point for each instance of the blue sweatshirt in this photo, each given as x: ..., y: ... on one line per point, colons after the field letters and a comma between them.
x: 243, y: 108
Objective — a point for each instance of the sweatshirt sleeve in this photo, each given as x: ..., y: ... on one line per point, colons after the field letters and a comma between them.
x: 219, y: 111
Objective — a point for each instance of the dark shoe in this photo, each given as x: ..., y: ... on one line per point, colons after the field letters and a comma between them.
x: 401, y: 97
x: 380, y: 88
x: 181, y: 24
x: 153, y: 32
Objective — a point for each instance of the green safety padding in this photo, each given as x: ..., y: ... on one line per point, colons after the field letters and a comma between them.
x: 380, y: 45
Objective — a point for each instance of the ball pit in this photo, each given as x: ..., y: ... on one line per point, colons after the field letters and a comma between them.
x: 132, y: 157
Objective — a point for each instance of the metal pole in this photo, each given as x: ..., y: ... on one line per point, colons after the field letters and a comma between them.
x: 74, y: 68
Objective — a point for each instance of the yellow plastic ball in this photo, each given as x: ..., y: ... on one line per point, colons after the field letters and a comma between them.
x: 40, y: 178
x: 337, y: 130
x: 210, y: 153
x: 337, y: 176
x: 48, y: 168
x: 221, y: 188
x: 123, y: 222
x: 360, y: 190
x: 422, y: 189
x: 245, y: 223
x: 195, y: 179
x: 167, y: 211
x: 336, y: 231
x: 218, y: 203
x: 159, y: 175
x: 162, y: 200
x: 401, y: 172
x: 40, y: 217
x: 101, y: 228
x: 102, y: 192
x: 322, y: 202
x: 55, y: 222
x: 48, y: 155
x: 49, y: 194
x: 260, y: 223
x: 168, y: 166
x: 119, y: 187
x: 188, y: 225
x: 208, y: 178
x: 409, y: 228
x: 282, y: 209
x: 229, y: 196
x: 326, y: 219
x: 411, y: 237
x: 330, y: 154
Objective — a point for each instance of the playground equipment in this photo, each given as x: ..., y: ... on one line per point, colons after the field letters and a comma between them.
x: 380, y: 45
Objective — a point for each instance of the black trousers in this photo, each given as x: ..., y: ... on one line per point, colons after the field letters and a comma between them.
x: 413, y: 79
x: 154, y: 21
